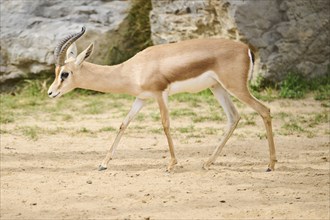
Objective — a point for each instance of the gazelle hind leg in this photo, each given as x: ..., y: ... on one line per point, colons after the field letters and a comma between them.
x: 233, y: 118
x: 245, y: 96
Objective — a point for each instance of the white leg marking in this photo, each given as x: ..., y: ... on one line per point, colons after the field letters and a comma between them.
x: 224, y: 100
x: 136, y: 107
x: 233, y: 117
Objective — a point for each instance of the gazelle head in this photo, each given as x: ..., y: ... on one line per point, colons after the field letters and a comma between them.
x: 68, y: 64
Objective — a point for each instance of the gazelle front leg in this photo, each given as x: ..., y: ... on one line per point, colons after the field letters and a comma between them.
x: 136, y: 107
x: 162, y: 100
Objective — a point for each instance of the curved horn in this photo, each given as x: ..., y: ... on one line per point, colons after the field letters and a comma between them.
x: 64, y: 45
x: 60, y: 45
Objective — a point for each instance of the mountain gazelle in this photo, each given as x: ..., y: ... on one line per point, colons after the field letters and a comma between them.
x: 222, y: 65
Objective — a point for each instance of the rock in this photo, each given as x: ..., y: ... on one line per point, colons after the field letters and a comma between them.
x: 30, y: 30
x: 288, y: 35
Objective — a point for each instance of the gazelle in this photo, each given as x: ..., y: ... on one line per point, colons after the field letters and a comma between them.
x: 222, y: 65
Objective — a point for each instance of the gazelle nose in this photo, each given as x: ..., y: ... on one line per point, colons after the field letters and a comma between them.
x: 50, y: 93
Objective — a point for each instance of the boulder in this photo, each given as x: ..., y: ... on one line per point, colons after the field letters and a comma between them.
x: 30, y: 30
x: 288, y: 35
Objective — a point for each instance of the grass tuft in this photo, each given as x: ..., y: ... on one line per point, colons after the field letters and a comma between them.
x: 6, y: 118
x: 34, y: 88
x: 291, y: 127
x: 322, y: 117
x: 188, y: 129
x: 248, y: 119
x: 30, y: 132
x: 108, y: 128
x: 178, y: 113
x: 95, y: 106
x: 294, y: 86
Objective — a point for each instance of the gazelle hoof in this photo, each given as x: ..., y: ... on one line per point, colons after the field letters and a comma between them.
x: 101, y: 168
x: 206, y: 165
x: 170, y: 167
x: 169, y: 170
x: 269, y: 170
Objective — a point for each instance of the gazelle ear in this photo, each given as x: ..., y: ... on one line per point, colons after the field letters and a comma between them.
x: 71, y: 52
x: 85, y: 54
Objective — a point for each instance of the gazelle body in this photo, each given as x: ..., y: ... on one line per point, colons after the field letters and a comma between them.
x: 222, y: 65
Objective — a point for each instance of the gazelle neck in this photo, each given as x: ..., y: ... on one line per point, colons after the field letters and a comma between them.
x: 103, y: 78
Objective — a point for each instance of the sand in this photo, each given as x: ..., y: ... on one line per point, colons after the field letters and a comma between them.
x: 55, y: 175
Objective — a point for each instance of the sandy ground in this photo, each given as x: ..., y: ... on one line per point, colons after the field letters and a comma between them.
x: 55, y: 176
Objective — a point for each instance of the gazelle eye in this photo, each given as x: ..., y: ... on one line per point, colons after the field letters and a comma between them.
x: 64, y: 75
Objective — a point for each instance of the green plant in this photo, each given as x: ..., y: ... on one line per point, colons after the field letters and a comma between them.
x: 155, y: 116
x: 293, y: 86
x: 177, y: 113
x: 6, y: 119
x: 3, y: 131
x: 195, y: 100
x: 188, y: 129
x: 248, y: 119
x: 263, y: 89
x: 291, y: 128
x: 321, y: 87
x: 108, y: 128
x: 256, y: 85
x: 96, y: 106
x: 323, y: 92
x: 210, y: 131
x: 67, y: 117
x: 156, y: 130
x: 140, y: 117
x: 211, y: 117
x: 84, y: 130
x: 136, y: 34
x: 319, y: 118
x: 34, y: 88
x: 30, y: 131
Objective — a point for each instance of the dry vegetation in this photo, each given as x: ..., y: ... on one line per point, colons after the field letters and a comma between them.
x: 50, y: 150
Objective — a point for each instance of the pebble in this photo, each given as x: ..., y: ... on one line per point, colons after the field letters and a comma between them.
x: 89, y: 182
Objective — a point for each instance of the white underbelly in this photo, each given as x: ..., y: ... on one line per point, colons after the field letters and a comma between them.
x: 193, y: 85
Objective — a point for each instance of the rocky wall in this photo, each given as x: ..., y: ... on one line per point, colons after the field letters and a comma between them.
x: 288, y: 35
x: 30, y: 30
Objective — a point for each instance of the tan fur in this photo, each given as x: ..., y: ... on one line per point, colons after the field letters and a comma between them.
x: 57, y: 72
x: 154, y: 69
